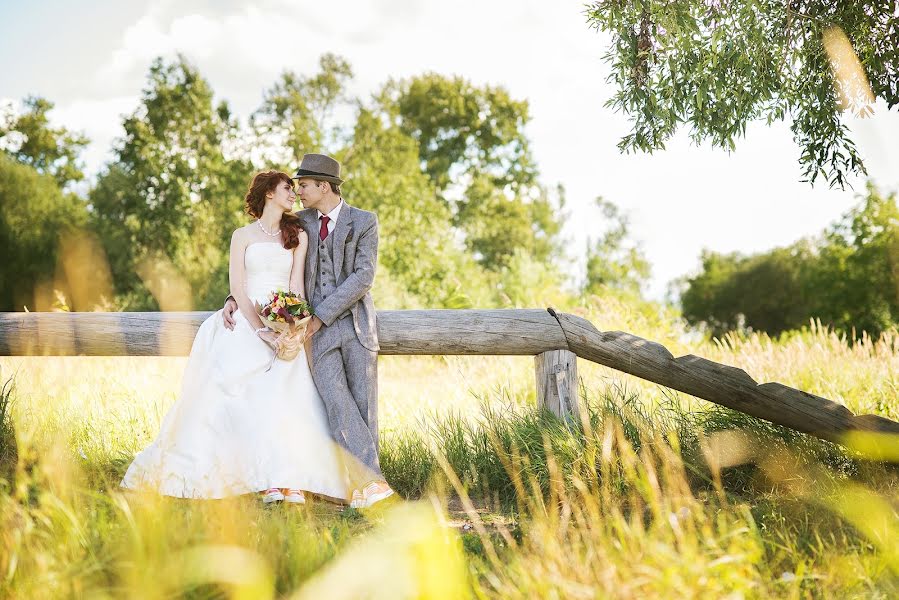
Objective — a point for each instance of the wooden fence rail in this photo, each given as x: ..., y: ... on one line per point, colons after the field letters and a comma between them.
x: 555, y: 339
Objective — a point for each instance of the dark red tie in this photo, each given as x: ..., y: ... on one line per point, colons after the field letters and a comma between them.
x: 323, y: 232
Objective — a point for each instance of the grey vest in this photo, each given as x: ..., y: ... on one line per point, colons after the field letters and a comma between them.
x: 326, y: 277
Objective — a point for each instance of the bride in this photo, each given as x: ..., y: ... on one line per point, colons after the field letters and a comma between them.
x: 237, y: 427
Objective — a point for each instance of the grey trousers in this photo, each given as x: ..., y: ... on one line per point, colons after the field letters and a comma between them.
x: 346, y: 375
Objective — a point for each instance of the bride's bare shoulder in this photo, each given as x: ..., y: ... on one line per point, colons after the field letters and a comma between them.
x: 241, y: 235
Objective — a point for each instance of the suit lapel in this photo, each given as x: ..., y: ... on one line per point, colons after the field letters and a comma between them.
x: 309, y: 224
x: 341, y: 230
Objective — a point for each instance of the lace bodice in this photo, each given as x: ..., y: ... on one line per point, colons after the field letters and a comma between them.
x: 268, y: 267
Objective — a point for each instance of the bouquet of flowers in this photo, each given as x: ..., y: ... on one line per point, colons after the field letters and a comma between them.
x: 288, y: 314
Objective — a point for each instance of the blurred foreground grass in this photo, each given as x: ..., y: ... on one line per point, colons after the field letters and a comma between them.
x: 656, y: 495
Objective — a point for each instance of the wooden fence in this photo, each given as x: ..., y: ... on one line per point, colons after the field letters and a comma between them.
x: 554, y: 339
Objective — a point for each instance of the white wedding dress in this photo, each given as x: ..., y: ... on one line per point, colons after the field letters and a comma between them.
x: 237, y: 428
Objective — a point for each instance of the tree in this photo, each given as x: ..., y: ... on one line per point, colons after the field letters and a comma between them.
x: 496, y: 225
x: 417, y: 245
x: 612, y: 261
x: 769, y: 292
x: 462, y: 129
x: 848, y: 278
x: 171, y: 195
x: 296, y: 112
x: 716, y: 66
x: 472, y: 146
x: 34, y: 214
x: 483, y: 232
x: 29, y: 139
x: 857, y: 282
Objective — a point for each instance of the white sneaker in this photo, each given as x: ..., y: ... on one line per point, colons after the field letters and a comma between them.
x: 370, y: 496
x: 295, y: 497
x: 272, y: 495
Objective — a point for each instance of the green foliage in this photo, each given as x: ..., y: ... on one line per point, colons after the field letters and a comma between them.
x: 495, y: 225
x: 612, y: 261
x: 463, y: 129
x: 481, y: 448
x: 848, y: 278
x: 472, y: 145
x: 417, y: 245
x: 717, y: 66
x: 857, y: 282
x: 34, y: 214
x: 29, y: 139
x: 171, y: 195
x: 767, y: 292
x: 526, y: 282
x: 445, y: 164
x: 294, y: 116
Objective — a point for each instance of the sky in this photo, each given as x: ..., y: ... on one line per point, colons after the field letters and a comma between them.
x: 91, y: 59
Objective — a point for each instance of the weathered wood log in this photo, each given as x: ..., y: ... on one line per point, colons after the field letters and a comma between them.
x: 488, y: 332
x: 497, y: 332
x: 557, y: 382
x: 721, y: 384
x: 99, y: 334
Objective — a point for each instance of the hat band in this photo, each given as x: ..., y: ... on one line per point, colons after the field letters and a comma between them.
x: 305, y: 173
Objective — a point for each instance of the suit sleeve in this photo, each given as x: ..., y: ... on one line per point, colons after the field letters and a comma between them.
x: 359, y: 282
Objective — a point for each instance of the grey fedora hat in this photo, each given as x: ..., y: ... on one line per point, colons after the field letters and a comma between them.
x: 321, y: 167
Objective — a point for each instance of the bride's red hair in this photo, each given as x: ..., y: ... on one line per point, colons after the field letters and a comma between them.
x: 262, y: 184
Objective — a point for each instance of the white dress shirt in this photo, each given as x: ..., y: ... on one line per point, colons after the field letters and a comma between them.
x: 332, y: 223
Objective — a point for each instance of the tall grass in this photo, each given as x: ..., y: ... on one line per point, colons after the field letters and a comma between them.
x: 652, y: 495
x: 8, y: 449
x: 621, y: 505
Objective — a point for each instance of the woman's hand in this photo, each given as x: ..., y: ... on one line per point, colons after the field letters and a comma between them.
x: 270, y: 337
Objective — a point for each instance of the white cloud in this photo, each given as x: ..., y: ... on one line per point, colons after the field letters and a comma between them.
x: 100, y: 121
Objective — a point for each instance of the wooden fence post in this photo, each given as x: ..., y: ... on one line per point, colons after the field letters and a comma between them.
x: 557, y: 383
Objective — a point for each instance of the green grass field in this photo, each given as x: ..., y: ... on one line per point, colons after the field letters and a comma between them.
x: 654, y: 495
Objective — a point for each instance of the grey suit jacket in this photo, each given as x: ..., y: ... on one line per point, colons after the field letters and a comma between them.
x: 355, y: 257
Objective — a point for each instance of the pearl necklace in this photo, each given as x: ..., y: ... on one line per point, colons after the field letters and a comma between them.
x: 259, y: 222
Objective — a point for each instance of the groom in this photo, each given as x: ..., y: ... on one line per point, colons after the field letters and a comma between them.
x: 339, y: 272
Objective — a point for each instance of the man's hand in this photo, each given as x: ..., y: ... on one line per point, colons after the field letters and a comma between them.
x: 314, y: 325
x: 228, y: 313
